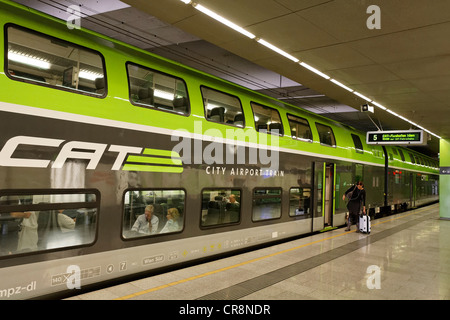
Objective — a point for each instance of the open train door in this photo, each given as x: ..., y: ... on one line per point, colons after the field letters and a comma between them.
x: 324, y: 187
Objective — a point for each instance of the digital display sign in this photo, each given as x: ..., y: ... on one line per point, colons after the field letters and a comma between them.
x: 398, y: 137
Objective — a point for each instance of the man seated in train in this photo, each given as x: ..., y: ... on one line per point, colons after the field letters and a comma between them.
x: 146, y: 223
x: 232, y: 203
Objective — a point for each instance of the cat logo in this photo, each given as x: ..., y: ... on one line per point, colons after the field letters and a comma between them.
x: 127, y: 158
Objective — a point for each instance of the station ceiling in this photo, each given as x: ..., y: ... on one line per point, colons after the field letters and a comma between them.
x: 402, y: 64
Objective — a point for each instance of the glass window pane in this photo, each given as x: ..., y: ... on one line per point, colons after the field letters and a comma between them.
x: 53, y: 62
x: 326, y: 135
x: 300, y: 202
x: 267, y: 119
x: 357, y: 143
x: 300, y: 128
x: 220, y: 206
x: 266, y: 204
x: 222, y: 107
x: 150, y: 88
x: 401, y: 154
x: 32, y: 222
x: 151, y: 212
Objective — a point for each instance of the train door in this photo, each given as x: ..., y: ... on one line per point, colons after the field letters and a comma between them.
x: 328, y: 191
x: 413, y: 189
x: 318, y: 221
x: 324, y: 176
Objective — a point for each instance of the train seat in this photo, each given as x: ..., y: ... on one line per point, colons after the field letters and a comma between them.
x: 100, y: 85
x: 146, y: 96
x: 180, y: 104
x: 275, y: 127
x: 239, y: 119
x: 217, y: 114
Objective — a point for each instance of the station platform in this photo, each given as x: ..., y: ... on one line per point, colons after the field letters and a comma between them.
x: 405, y: 257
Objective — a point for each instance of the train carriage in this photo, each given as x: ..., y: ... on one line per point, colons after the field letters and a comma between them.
x: 97, y: 135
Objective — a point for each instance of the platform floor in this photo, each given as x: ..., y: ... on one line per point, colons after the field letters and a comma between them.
x: 406, y: 256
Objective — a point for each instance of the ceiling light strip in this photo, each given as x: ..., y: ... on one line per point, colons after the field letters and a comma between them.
x: 379, y: 105
x: 362, y: 96
x: 28, y: 59
x: 310, y: 68
x: 341, y: 85
x: 223, y: 20
x: 277, y: 50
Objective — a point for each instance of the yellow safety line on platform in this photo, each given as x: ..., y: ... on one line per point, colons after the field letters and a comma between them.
x: 256, y: 259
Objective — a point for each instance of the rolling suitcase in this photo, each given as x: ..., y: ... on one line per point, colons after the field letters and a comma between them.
x: 364, y: 224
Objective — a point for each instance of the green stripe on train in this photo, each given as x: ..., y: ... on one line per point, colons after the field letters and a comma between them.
x: 168, y: 160
x: 149, y: 168
x: 159, y: 152
x: 154, y: 160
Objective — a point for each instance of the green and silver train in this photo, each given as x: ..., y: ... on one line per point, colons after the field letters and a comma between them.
x: 117, y: 163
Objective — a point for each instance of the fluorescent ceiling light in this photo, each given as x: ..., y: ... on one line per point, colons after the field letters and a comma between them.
x: 379, y: 105
x: 186, y: 1
x: 89, y: 75
x: 27, y: 59
x: 362, y: 96
x: 392, y: 112
x: 277, y: 50
x: 226, y: 22
x: 211, y: 106
x: 341, y: 85
x: 307, y: 66
x: 163, y: 94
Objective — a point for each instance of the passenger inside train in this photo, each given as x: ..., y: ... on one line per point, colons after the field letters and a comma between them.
x: 55, y: 221
x: 218, y: 208
x: 167, y: 208
x: 146, y: 223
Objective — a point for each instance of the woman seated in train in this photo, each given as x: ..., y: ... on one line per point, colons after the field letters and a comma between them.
x: 172, y: 221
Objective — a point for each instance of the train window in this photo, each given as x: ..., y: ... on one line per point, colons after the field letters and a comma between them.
x: 420, y: 160
x: 412, y: 158
x: 358, y: 144
x: 400, y: 152
x: 326, y: 135
x: 267, y: 119
x: 220, y: 206
x: 300, y: 202
x: 37, y: 221
x: 150, y: 212
x: 222, y: 107
x: 266, y: 204
x: 41, y: 59
x: 300, y: 128
x: 150, y: 88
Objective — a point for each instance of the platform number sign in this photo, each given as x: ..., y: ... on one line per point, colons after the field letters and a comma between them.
x: 399, y: 137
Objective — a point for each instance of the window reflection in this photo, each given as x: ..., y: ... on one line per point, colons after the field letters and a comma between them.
x: 300, y: 202
x: 53, y: 62
x: 39, y: 222
x: 220, y: 207
x: 266, y: 204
